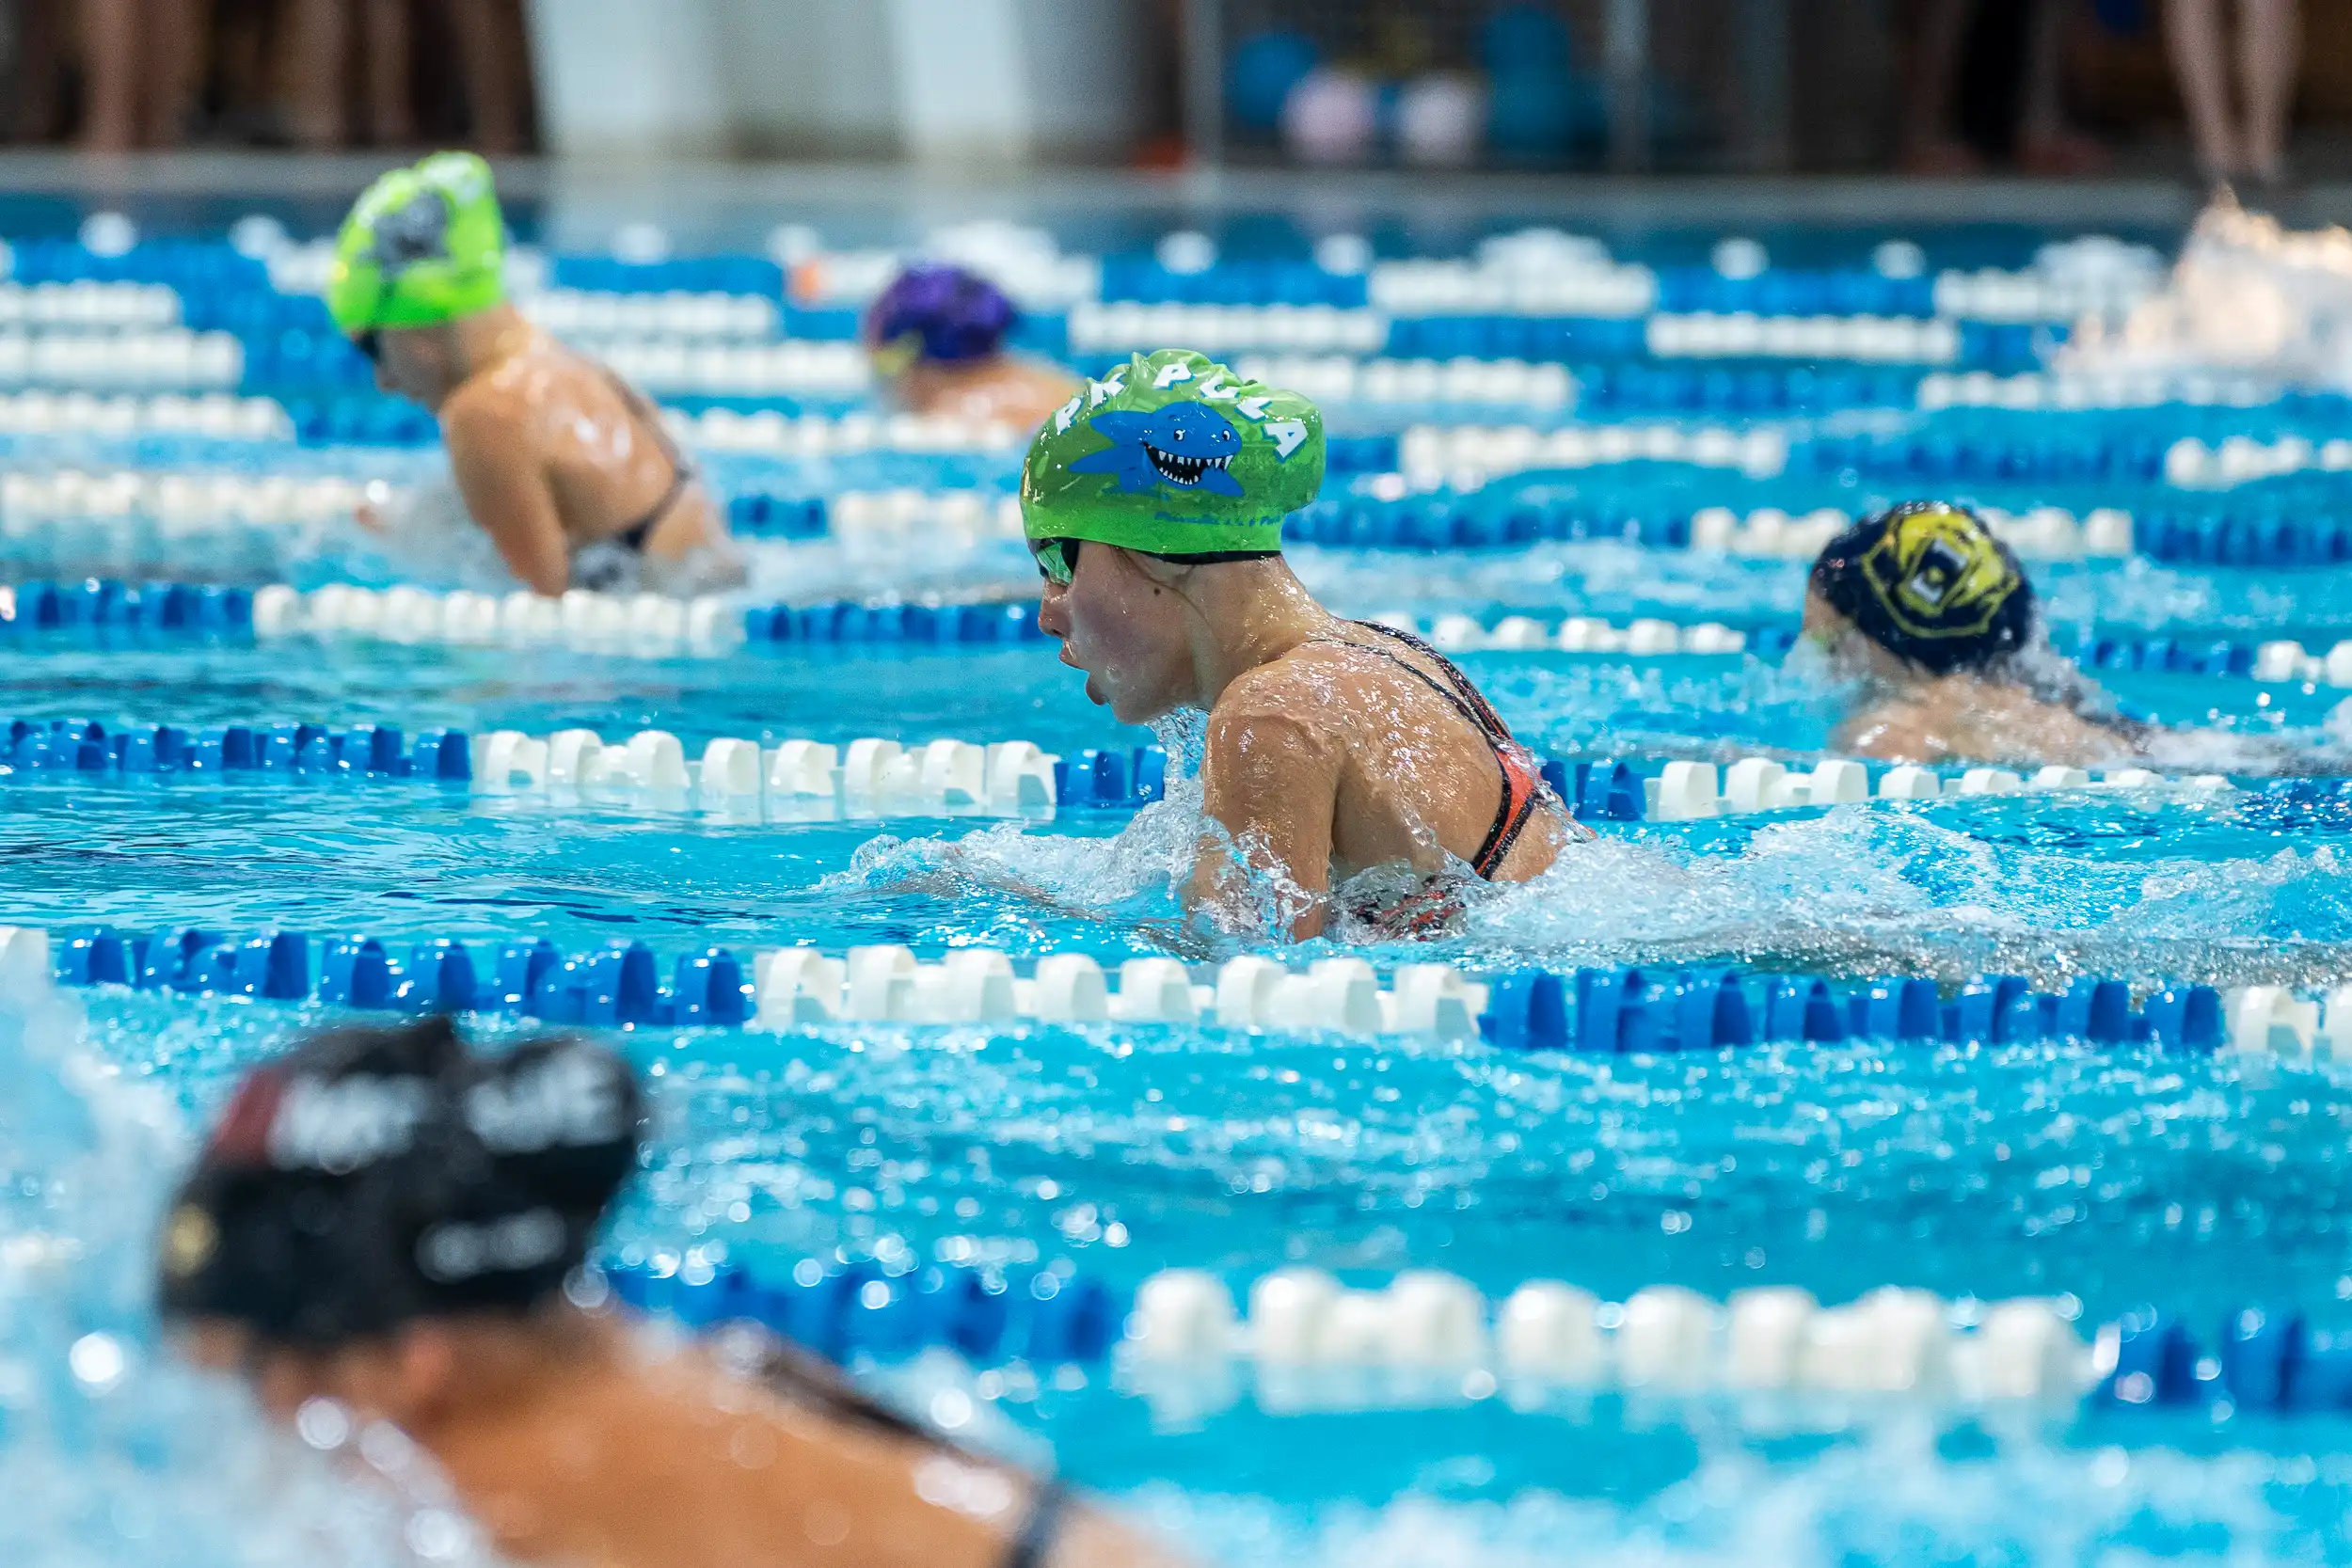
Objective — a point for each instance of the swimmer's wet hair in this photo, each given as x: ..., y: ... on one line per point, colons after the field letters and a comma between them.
x: 374, y: 1175
x: 1928, y: 582
x: 956, y: 316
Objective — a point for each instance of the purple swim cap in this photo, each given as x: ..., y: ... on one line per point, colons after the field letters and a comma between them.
x: 959, y: 315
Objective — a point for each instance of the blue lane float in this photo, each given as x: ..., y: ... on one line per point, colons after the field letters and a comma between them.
x: 169, y: 610
x: 2263, y: 1358
x: 843, y: 1311
x: 1638, y: 1011
x: 617, y: 986
x: 86, y: 749
x: 966, y: 625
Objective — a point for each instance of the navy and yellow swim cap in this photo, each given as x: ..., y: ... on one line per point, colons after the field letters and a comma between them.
x: 1927, y: 582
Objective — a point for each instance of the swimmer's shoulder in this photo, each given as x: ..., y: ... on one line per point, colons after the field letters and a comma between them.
x: 1311, y: 678
x: 1283, y: 702
x: 490, y: 409
x: 511, y: 396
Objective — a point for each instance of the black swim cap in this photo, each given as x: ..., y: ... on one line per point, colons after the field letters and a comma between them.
x: 374, y: 1175
x: 1927, y: 582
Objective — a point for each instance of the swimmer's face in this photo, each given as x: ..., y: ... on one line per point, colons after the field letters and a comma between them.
x: 1851, y: 656
x: 415, y: 363
x: 1120, y: 621
x: 390, y: 1378
x: 281, y: 1377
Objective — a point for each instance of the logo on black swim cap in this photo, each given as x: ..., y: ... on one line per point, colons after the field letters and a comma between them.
x: 1927, y: 582
x: 1939, y: 572
x: 190, y: 1240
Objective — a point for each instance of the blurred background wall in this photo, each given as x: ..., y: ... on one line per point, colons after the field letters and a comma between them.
x: 2046, y: 86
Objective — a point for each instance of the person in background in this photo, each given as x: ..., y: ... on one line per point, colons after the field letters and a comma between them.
x: 566, y: 466
x: 489, y: 38
x: 2270, y: 45
x: 142, y: 63
x: 1352, y: 773
x: 319, y: 43
x: 936, y: 337
x: 388, y: 1227
x: 2028, y: 37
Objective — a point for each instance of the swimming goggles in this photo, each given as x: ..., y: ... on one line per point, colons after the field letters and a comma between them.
x: 1058, y: 559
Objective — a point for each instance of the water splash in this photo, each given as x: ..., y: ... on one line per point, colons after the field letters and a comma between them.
x: 2248, y: 296
x: 110, y: 1451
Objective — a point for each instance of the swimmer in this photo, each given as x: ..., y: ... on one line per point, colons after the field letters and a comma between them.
x: 388, y: 1222
x: 1351, y: 771
x: 936, y: 338
x: 563, y: 465
x: 1934, y: 618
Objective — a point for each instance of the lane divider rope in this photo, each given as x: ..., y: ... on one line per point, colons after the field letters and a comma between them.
x: 1591, y: 1011
x: 793, y: 780
x: 1425, y: 1335
x: 873, y: 776
x: 1890, y: 1343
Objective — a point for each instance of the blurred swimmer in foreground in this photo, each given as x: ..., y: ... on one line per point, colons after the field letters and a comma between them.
x: 387, y: 1227
x: 1933, y: 617
x: 563, y: 465
x: 1351, y: 769
x: 936, y: 337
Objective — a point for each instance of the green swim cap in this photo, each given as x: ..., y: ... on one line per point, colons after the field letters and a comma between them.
x: 1174, y: 454
x: 422, y: 246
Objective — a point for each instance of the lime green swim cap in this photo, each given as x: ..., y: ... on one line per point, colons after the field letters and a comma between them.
x: 422, y: 246
x: 1174, y: 454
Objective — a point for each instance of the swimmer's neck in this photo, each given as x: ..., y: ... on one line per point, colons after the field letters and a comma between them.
x: 495, y: 1368
x: 480, y: 342
x: 1247, y: 613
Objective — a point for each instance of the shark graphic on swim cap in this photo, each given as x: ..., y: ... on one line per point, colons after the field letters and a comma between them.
x: 1174, y: 454
x: 422, y: 245
x: 1927, y: 582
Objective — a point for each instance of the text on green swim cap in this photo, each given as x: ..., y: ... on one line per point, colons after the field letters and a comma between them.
x: 422, y: 245
x: 1175, y: 454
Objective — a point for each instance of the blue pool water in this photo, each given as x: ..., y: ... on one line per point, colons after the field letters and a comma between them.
x: 2104, y: 1176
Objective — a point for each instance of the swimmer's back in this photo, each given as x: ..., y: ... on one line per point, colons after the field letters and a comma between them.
x: 1004, y: 388
x: 1408, y: 764
x: 606, y: 459
x: 1963, y: 718
x: 686, y: 1465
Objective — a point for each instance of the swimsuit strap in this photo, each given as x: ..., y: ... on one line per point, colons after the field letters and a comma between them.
x: 633, y: 537
x: 1035, y: 1544
x: 1522, y: 786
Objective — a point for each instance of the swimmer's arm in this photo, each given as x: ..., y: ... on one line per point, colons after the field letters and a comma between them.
x: 1272, y: 783
x: 506, y: 490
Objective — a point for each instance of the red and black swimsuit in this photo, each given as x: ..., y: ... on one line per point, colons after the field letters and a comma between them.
x: 1523, y: 786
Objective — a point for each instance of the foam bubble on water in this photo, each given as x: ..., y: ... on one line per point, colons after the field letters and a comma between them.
x: 111, y: 1452
x: 1892, y: 1500
x: 1867, y: 890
